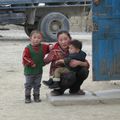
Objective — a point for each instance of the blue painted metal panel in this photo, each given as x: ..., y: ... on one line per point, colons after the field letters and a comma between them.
x: 106, y: 40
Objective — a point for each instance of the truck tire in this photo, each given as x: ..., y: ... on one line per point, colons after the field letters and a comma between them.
x: 51, y: 24
x: 29, y: 28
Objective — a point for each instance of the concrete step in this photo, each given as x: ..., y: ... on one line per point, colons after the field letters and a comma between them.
x: 90, y: 98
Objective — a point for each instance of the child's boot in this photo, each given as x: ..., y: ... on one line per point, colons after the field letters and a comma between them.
x: 36, y: 97
x: 49, y: 82
x: 27, y: 99
x: 54, y: 85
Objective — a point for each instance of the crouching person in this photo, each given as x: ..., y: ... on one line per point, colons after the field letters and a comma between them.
x: 59, y: 52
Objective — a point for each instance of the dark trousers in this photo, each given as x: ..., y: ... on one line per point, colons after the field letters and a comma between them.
x: 32, y: 81
x: 81, y: 75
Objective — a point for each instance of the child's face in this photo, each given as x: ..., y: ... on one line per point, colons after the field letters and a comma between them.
x: 63, y: 40
x: 36, y: 39
x: 72, y: 49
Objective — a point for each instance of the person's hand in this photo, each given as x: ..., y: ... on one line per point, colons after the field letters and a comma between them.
x: 34, y: 65
x: 59, y: 61
x: 51, y: 47
x: 74, y: 63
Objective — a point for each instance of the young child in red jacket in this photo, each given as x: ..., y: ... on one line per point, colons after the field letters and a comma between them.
x: 33, y: 65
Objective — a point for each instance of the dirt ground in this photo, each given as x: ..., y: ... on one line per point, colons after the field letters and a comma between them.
x: 12, y: 106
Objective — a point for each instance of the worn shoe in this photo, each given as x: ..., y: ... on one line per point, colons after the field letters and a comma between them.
x: 54, y: 85
x: 37, y: 98
x: 49, y: 82
x: 28, y: 99
x: 56, y: 93
x: 80, y: 92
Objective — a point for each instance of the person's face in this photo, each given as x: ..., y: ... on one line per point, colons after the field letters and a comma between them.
x: 36, y: 39
x: 63, y: 40
x: 72, y: 49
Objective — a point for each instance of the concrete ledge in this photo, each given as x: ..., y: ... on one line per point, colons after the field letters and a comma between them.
x: 109, y: 96
x: 90, y: 98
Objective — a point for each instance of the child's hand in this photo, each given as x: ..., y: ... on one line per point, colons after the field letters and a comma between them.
x: 59, y: 61
x: 34, y: 65
x: 75, y: 63
x: 51, y: 47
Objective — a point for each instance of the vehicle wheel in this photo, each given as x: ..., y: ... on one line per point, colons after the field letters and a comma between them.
x: 51, y: 24
x: 29, y: 28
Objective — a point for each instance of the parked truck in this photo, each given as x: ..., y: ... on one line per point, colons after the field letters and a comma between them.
x: 48, y: 16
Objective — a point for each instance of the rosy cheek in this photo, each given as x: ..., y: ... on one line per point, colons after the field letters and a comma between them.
x: 60, y: 40
x: 66, y: 42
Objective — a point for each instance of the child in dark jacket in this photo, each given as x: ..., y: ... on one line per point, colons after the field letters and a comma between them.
x: 75, y: 53
x: 33, y: 65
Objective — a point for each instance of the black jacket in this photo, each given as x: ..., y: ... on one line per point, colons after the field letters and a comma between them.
x: 76, y: 56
